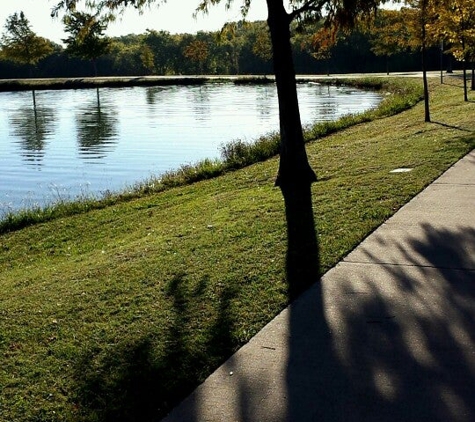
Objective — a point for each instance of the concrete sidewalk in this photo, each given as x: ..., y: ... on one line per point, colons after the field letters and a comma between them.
x: 388, y: 334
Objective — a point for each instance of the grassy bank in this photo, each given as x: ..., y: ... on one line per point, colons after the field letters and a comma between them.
x: 399, y: 95
x: 115, y: 314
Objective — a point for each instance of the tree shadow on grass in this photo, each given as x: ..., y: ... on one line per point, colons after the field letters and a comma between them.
x: 134, y: 383
x: 453, y: 127
x: 251, y: 385
x: 378, y: 339
x: 142, y: 380
x: 448, y: 78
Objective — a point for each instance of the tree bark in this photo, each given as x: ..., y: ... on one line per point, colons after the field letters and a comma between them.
x: 424, y: 60
x: 424, y: 67
x: 473, y: 76
x: 294, y: 168
x: 442, y: 62
x: 465, y: 88
x: 426, y: 86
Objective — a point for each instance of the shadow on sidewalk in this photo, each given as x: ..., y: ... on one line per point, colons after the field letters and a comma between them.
x: 400, y: 344
x: 369, y: 343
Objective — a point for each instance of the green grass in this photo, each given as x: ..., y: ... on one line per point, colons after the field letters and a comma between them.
x: 400, y: 95
x: 116, y: 313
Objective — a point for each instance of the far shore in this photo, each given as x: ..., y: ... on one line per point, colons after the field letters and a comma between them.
x: 27, y: 84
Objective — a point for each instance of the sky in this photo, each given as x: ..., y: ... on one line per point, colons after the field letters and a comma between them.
x: 176, y: 16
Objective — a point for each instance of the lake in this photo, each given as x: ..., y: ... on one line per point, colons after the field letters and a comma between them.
x: 87, y: 142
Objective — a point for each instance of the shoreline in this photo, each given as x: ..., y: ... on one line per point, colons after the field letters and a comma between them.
x: 123, y: 310
x: 14, y: 85
x: 261, y: 150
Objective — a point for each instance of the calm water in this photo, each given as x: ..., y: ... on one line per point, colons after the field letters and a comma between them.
x: 87, y: 142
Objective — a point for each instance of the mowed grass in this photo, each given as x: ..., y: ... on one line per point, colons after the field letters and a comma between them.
x: 117, y: 313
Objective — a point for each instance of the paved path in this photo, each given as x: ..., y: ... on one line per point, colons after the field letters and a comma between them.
x: 388, y: 334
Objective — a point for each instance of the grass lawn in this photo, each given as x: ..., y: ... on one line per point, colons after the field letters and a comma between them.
x: 117, y: 313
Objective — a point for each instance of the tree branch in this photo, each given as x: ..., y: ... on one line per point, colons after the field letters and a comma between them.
x: 310, y: 6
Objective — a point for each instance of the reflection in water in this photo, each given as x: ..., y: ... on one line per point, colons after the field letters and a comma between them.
x: 143, y: 132
x: 154, y: 94
x: 96, y: 129
x: 32, y: 125
x: 327, y: 109
x: 265, y: 100
x: 200, y: 97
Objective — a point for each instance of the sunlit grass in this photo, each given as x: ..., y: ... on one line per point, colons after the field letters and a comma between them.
x: 400, y: 95
x: 115, y: 314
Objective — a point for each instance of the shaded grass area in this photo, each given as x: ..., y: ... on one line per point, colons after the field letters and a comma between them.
x: 116, y: 314
x: 400, y: 95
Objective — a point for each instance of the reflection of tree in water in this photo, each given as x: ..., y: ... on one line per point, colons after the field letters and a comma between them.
x: 327, y: 108
x: 97, y: 129
x: 200, y: 99
x: 32, y: 125
x: 265, y: 95
x: 152, y: 94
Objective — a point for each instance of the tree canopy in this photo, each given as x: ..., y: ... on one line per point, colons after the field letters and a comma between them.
x: 86, y: 39
x: 294, y: 169
x: 20, y: 44
x: 388, y: 34
x: 455, y: 26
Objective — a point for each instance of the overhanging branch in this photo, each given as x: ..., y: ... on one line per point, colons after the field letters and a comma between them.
x: 310, y: 6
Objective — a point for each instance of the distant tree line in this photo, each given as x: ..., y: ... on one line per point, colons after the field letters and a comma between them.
x: 239, y: 48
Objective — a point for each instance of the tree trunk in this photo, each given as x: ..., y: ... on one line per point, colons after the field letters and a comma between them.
x: 473, y: 76
x: 465, y: 88
x: 424, y: 60
x: 449, y: 64
x: 426, y: 86
x: 442, y: 62
x: 294, y: 169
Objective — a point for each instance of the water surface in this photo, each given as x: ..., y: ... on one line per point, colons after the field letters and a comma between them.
x: 57, y: 145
